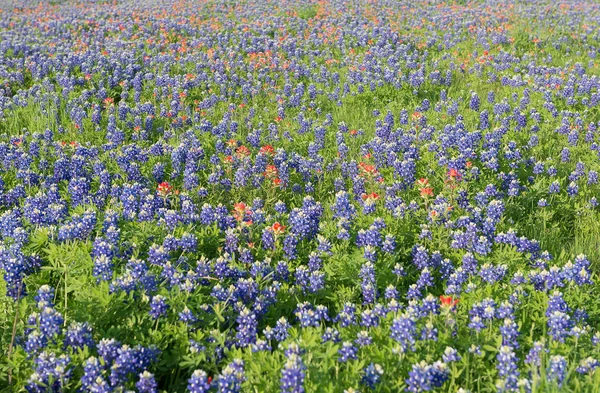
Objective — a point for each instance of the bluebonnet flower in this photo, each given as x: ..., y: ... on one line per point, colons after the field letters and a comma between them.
x: 572, y: 189
x: 492, y: 274
x: 587, y: 365
x: 367, y: 275
x: 45, y: 296
x: 347, y: 352
x: 429, y: 332
x: 506, y: 364
x: 293, y: 372
x: 430, y: 306
x: 324, y: 246
x: 505, y: 310
x: 35, y: 343
x: 146, y: 383
x: 476, y: 323
x: 559, y: 324
x: 332, y: 335
x: 158, y: 306
x: 290, y: 242
x: 557, y: 369
x: 231, y: 378
x: 420, y: 257
x: 343, y: 208
x: 424, y: 377
x: 247, y: 328
x: 480, y: 312
x: 186, y: 316
x: 198, y: 382
x: 565, y: 154
x: 534, y: 355
x: 475, y: 102
x: 280, y: 331
x: 556, y: 303
x: 369, y: 319
x: 307, y: 315
x: 509, y: 332
x: 50, y: 322
x: 79, y: 335
x: 425, y: 279
x: 391, y: 292
x: 304, y: 222
x: 399, y: 270
x: 92, y: 371
x: 261, y: 345
x: 450, y: 355
x: 347, y: 316
x: 372, y: 375
x: 50, y: 372
x: 403, y: 330
x: 363, y: 339
x: 389, y: 244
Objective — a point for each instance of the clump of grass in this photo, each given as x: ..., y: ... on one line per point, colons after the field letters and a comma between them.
x: 307, y: 12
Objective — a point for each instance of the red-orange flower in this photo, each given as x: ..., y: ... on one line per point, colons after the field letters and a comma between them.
x: 267, y: 149
x: 277, y: 228
x: 453, y: 174
x: 240, y: 207
x: 270, y: 171
x: 367, y: 168
x: 164, y: 188
x: 422, y: 182
x: 371, y: 197
x: 240, y: 211
x: 242, y: 151
x: 426, y: 192
x: 448, y: 302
